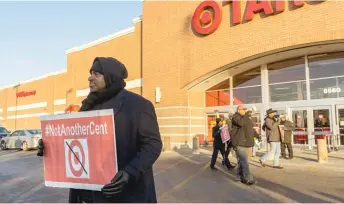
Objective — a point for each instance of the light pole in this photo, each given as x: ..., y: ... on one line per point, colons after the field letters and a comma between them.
x: 15, y: 115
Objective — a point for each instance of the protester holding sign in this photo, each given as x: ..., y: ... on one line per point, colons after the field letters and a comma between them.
x: 219, y: 145
x: 138, y: 141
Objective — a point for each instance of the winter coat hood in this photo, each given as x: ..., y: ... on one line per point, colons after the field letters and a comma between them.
x: 112, y: 69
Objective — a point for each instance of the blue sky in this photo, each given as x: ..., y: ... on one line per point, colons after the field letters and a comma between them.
x: 34, y: 36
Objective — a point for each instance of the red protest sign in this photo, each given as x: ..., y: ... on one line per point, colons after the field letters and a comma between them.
x: 225, y: 134
x: 79, y: 149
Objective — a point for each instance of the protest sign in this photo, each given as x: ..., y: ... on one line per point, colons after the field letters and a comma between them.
x: 225, y: 134
x: 79, y: 149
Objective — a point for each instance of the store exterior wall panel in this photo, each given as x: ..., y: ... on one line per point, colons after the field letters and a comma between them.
x: 191, y: 57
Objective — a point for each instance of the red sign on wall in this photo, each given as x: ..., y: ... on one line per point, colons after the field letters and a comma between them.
x: 208, y: 15
x: 25, y: 93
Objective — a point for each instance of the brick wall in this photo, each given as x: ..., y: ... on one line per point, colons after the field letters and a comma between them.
x: 174, y: 56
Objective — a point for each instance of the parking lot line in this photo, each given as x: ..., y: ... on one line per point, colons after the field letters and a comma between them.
x: 272, y: 194
x: 31, y: 191
x: 181, y: 184
x: 13, y: 181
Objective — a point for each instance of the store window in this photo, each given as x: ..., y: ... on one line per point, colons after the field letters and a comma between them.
x: 218, y: 95
x: 247, y: 87
x: 326, y: 73
x: 217, y: 98
x: 287, y: 80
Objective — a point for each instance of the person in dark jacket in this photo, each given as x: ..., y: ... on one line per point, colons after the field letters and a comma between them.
x: 271, y: 127
x: 242, y: 140
x: 138, y: 140
x: 256, y: 136
x: 218, y: 145
x: 288, y: 128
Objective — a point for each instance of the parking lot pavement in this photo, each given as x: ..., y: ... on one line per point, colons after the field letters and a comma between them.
x: 183, y: 177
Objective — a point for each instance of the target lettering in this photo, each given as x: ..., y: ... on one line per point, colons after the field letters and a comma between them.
x: 208, y: 15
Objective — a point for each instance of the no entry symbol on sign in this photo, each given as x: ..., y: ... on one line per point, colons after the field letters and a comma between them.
x: 76, y: 157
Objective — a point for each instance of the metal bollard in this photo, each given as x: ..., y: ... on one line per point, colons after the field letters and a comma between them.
x: 167, y: 144
x: 322, y: 151
x: 195, y: 145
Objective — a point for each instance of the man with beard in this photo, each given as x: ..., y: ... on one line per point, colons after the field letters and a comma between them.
x: 138, y: 141
x: 242, y: 139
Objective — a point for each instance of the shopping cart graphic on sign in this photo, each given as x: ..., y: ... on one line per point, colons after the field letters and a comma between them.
x: 77, y: 158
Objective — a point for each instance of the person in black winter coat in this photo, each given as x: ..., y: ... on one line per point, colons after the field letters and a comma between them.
x: 218, y: 146
x: 242, y: 139
x: 138, y: 140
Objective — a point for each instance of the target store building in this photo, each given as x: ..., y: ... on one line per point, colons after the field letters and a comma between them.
x: 196, y: 61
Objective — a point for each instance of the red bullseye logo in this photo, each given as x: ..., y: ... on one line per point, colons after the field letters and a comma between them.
x: 207, y: 17
x: 77, y: 158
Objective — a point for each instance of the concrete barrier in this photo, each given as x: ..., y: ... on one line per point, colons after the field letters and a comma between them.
x: 322, y: 151
x: 195, y: 145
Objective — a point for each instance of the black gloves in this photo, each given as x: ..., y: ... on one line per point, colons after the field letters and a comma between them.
x: 117, y: 184
x: 40, y: 148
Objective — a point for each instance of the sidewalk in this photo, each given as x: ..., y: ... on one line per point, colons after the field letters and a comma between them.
x: 302, y: 158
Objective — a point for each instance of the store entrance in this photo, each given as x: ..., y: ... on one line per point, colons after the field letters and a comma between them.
x: 311, y: 123
x: 340, y: 122
x: 211, y: 121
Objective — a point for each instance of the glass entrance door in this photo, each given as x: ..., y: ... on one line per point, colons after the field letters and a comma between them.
x: 322, y: 124
x: 312, y: 123
x: 210, y: 124
x: 340, y: 119
x: 299, y: 118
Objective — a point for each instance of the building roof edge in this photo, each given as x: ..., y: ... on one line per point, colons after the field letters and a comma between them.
x: 34, y: 79
x: 101, y: 40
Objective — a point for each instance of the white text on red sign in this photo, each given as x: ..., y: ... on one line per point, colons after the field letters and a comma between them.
x: 76, y: 130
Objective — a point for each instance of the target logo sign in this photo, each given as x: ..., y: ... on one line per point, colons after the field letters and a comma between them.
x: 76, y: 158
x: 207, y: 18
x: 208, y: 15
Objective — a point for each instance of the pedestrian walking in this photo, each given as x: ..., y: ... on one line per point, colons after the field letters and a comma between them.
x: 256, y: 136
x: 288, y: 128
x: 138, y: 141
x: 271, y: 127
x: 218, y: 145
x: 242, y: 141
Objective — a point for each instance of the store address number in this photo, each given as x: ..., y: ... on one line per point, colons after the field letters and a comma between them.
x: 332, y: 90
